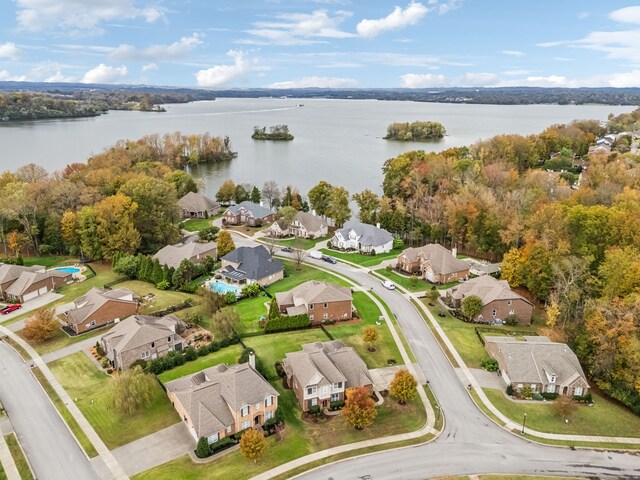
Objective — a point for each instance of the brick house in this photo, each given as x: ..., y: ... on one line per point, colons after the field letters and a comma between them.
x: 195, y: 252
x: 538, y: 363
x: 319, y: 300
x: 497, y: 297
x: 248, y: 213
x: 247, y: 265
x: 99, y: 307
x: 434, y: 263
x: 304, y: 225
x: 195, y: 205
x: 223, y: 400
x: 32, y: 284
x: 142, y: 337
x: 322, y: 372
x: 10, y: 273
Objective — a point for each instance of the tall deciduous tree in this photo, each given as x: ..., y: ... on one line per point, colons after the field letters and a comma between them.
x: 403, y: 386
x: 182, y: 181
x: 226, y: 322
x: 271, y: 192
x: 320, y: 197
x: 42, y: 326
x: 116, y: 228
x: 253, y: 444
x: 224, y: 243
x: 88, y: 233
x: 132, y: 390
x: 226, y: 192
x: 368, y: 203
x: 471, y: 306
x: 359, y: 408
x: 339, y: 209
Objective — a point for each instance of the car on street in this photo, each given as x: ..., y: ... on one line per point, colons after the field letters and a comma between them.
x: 329, y: 259
x: 10, y: 308
x: 316, y: 254
x: 389, y: 285
x: 287, y: 249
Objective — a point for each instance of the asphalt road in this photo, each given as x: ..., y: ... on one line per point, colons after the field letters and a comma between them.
x: 470, y: 443
x: 48, y: 444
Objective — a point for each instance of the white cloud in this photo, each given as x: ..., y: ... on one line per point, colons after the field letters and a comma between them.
x: 317, y: 82
x: 583, y: 15
x: 4, y: 75
x: 299, y: 28
x: 44, y: 72
x: 448, y: 6
x: 470, y: 79
x: 178, y: 49
x: 58, y: 77
x: 149, y: 67
x: 424, y: 80
x: 513, y: 53
x: 626, y: 15
x: 81, y: 15
x: 104, y: 74
x: 220, y: 75
x: 10, y: 50
x: 399, y: 18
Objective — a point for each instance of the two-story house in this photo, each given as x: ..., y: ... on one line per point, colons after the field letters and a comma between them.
x: 195, y: 252
x: 322, y: 372
x: 304, y: 225
x: 247, y: 265
x: 247, y: 213
x: 99, y: 307
x: 362, y: 237
x: 434, y: 262
x: 321, y: 301
x: 142, y: 337
x: 222, y: 400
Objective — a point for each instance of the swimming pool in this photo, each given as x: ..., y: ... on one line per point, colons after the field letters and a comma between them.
x: 223, y: 288
x: 69, y: 269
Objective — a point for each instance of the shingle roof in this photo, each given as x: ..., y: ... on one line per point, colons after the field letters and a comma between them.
x: 330, y: 360
x: 211, y: 395
x: 10, y: 272
x: 314, y: 292
x: 368, y: 234
x: 256, y: 211
x: 254, y: 263
x: 138, y: 330
x: 486, y: 288
x: 532, y: 359
x: 441, y: 260
x: 310, y: 221
x: 28, y: 278
x: 195, y: 202
x: 172, y: 255
x: 94, y: 299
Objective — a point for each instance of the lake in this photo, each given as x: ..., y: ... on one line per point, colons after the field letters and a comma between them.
x: 335, y: 140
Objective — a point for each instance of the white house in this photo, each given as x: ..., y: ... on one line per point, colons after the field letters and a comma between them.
x: 363, y: 237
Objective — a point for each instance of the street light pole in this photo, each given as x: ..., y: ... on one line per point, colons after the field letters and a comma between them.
x: 524, y: 420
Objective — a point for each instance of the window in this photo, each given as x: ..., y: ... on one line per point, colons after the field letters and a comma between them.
x: 229, y: 429
x: 311, y: 390
x: 578, y: 391
x: 268, y: 415
x: 551, y: 388
x: 325, y: 316
x: 213, y: 438
x: 311, y: 317
x: 144, y: 355
x: 168, y: 339
x: 314, y: 402
x: 93, y: 323
x: 519, y: 386
x: 257, y: 406
x: 325, y: 389
x: 246, y: 424
x: 337, y: 385
x: 326, y: 305
x: 244, y: 411
x: 311, y: 307
x: 335, y: 397
x: 534, y: 387
x: 153, y: 344
x: 494, y: 312
x: 268, y: 402
x: 509, y: 302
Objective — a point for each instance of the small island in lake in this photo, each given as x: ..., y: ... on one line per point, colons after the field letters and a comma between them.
x: 415, y: 132
x: 277, y: 132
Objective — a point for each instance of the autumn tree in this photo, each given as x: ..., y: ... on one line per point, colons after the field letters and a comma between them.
x: 69, y: 230
x: 226, y: 322
x: 564, y: 407
x: 42, y: 326
x: 253, y: 444
x: 211, y: 301
x: 116, y: 229
x: 320, y: 198
x: 368, y: 204
x: 16, y: 241
x: 90, y: 244
x: 359, y: 408
x: 286, y: 215
x: 132, y: 390
x: 620, y: 272
x: 471, y: 306
x: 224, y: 243
x: 339, y: 209
x: 299, y: 252
x: 271, y: 192
x: 226, y: 192
x: 370, y: 336
x: 182, y: 181
x: 403, y: 386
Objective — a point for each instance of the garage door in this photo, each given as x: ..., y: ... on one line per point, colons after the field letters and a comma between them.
x: 43, y: 290
x: 29, y: 296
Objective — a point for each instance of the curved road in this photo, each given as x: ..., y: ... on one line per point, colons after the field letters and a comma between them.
x: 470, y: 442
x: 48, y: 444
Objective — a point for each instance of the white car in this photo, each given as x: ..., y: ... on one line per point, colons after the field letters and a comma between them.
x: 316, y: 254
x: 388, y: 284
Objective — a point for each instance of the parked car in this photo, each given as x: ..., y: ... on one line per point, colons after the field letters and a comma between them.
x: 316, y: 254
x: 10, y: 308
x: 287, y: 249
x: 329, y: 259
x: 389, y: 285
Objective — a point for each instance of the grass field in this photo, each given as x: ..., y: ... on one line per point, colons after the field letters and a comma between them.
x: 197, y: 224
x: 162, y: 298
x: 360, y: 259
x: 228, y: 355
x: 3, y: 475
x: 49, y: 261
x: 18, y: 457
x: 303, y: 243
x: 82, y: 380
x: 61, y: 340
x: 413, y: 284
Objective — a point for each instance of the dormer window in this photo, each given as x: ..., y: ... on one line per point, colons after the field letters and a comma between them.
x: 244, y: 411
x: 553, y: 379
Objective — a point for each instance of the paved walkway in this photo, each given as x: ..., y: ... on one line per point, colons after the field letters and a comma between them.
x: 7, y: 462
x: 382, y: 377
x: 487, y: 379
x: 108, y: 458
x: 155, y: 449
x: 29, y: 306
x: 80, y: 346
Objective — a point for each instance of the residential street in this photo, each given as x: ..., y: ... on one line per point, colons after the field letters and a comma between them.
x: 50, y: 447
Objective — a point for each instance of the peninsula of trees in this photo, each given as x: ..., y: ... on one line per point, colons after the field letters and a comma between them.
x: 415, y: 131
x: 276, y: 132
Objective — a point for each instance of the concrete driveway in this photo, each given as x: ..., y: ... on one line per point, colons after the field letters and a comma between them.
x: 488, y: 379
x: 382, y: 377
x: 29, y: 306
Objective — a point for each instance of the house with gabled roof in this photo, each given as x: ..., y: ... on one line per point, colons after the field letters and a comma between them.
x: 220, y: 401
x: 247, y: 265
x: 362, y: 237
x: 142, y: 337
x: 99, y: 307
x: 498, y: 300
x: 538, y: 363
x: 196, y: 205
x: 9, y: 273
x: 434, y: 263
x: 323, y: 371
x: 195, y: 252
x: 321, y: 301
x: 32, y: 284
x: 247, y: 213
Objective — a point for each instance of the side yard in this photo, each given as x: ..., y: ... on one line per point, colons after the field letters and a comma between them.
x: 413, y: 284
x: 360, y: 259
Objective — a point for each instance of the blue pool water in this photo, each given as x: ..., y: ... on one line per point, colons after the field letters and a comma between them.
x: 222, y: 288
x: 68, y: 269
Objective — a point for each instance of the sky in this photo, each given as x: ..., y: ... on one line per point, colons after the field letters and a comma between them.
x: 223, y: 44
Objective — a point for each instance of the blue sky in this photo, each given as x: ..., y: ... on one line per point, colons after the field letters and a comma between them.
x: 322, y: 43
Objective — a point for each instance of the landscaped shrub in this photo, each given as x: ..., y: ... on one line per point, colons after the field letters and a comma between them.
x: 226, y: 442
x: 163, y: 285
x: 99, y: 349
x: 314, y: 410
x: 138, y: 363
x: 283, y: 322
x: 336, y: 405
x: 526, y: 392
x: 252, y: 290
x: 509, y: 390
x: 537, y: 396
x: 202, y: 449
x: 190, y: 354
x: 511, y: 320
x: 549, y: 396
x: 280, y: 369
x: 588, y: 398
x: 105, y: 363
x: 490, y: 365
x: 230, y: 297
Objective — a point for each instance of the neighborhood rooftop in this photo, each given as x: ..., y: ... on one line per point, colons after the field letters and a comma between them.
x: 195, y: 202
x: 442, y: 261
x: 486, y: 288
x: 252, y: 263
x: 368, y: 234
x: 172, y: 255
x: 258, y: 211
x: 95, y: 298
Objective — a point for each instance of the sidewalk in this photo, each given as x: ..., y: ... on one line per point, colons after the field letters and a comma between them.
x: 103, y: 452
x: 73, y: 348
x: 6, y: 460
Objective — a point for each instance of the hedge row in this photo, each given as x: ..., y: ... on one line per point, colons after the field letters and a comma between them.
x: 175, y: 358
x: 284, y: 322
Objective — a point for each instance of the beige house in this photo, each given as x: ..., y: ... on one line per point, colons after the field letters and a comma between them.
x: 142, y: 337
x: 247, y: 213
x: 304, y: 225
x: 322, y: 372
x: 222, y: 400
x: 538, y: 363
x: 196, y: 205
x: 321, y: 301
x: 497, y: 297
x: 434, y: 263
x: 30, y: 284
x: 10, y: 273
x: 247, y: 265
x: 195, y: 252
x: 99, y: 307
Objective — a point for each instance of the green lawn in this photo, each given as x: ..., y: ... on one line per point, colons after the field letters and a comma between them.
x: 603, y: 418
x: 3, y: 475
x: 162, y: 299
x: 49, y: 260
x: 197, y: 224
x: 303, y: 243
x: 82, y: 380
x: 360, y: 259
x: 227, y: 355
x: 18, y: 457
x: 413, y: 284
x: 351, y: 334
x: 61, y: 340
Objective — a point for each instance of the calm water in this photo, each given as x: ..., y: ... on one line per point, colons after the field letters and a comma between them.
x: 335, y: 140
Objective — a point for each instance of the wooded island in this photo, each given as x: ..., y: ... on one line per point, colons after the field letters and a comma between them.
x: 415, y: 131
x: 276, y: 132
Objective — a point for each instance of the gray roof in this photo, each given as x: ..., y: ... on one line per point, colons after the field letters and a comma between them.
x: 441, y: 260
x: 254, y: 210
x: 332, y: 361
x: 210, y: 395
x: 172, y: 255
x: 482, y: 267
x: 368, y: 234
x: 533, y: 359
x: 314, y: 292
x: 93, y: 300
x: 253, y: 263
x: 10, y: 272
x: 309, y: 221
x: 28, y: 278
x: 196, y: 202
x: 138, y: 330
x: 486, y: 288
